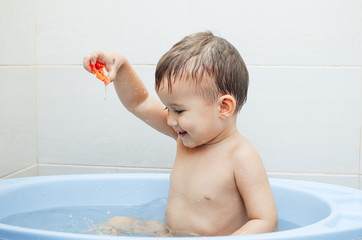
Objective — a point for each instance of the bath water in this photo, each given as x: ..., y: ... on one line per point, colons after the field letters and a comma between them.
x: 88, y: 219
x: 84, y: 219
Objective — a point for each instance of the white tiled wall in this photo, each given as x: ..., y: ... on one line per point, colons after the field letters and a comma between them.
x: 18, y: 132
x: 284, y: 32
x: 304, y: 107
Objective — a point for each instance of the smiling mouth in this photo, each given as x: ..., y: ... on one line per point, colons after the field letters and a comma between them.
x: 181, y: 134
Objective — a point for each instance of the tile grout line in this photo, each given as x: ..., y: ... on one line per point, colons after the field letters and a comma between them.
x: 313, y: 173
x: 20, y: 170
x: 99, y: 166
x: 36, y: 85
x: 154, y: 64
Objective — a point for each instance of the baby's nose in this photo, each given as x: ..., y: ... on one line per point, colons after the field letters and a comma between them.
x: 171, y: 121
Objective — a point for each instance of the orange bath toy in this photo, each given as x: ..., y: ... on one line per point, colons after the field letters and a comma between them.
x: 97, y: 69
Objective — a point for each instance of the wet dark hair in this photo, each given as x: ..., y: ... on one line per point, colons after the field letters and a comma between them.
x: 211, y: 62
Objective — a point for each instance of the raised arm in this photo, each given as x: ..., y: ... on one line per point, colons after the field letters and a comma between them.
x: 131, y: 90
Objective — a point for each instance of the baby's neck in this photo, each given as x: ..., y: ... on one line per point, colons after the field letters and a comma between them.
x: 229, y: 133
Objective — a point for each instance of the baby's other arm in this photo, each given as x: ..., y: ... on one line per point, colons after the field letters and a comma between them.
x: 131, y: 90
x: 254, y: 187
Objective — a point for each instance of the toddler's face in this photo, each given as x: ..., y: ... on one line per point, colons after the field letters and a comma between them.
x: 195, y: 119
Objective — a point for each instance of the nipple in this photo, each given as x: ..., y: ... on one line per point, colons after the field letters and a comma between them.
x: 207, y: 197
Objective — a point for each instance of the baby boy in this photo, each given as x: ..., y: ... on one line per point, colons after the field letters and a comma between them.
x: 218, y: 184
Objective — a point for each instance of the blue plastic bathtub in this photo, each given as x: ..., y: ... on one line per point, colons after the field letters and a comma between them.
x: 317, y: 211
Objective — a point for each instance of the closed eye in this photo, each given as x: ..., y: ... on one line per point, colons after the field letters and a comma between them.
x: 174, y: 110
x: 179, y: 111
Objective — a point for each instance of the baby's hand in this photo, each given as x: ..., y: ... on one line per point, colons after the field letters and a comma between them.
x: 97, y: 69
x: 98, y: 59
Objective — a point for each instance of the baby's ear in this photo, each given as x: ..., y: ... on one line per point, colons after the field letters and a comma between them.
x: 227, y: 105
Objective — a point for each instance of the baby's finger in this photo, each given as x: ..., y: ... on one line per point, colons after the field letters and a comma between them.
x: 95, y: 56
x: 86, y: 61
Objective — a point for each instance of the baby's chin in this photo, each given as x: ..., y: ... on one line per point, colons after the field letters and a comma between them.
x: 192, y: 144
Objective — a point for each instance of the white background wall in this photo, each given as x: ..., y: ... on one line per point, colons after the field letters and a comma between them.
x: 304, y: 107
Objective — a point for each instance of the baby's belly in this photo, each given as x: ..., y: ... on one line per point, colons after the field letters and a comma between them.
x: 204, y: 220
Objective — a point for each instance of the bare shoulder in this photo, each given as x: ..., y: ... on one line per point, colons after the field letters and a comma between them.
x: 244, y: 152
x: 247, y: 164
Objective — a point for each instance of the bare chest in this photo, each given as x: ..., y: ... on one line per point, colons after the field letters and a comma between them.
x: 202, y: 191
x: 203, y: 178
